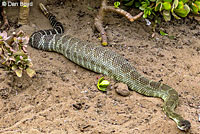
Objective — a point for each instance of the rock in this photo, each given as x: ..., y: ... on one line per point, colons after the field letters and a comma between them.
x: 78, y: 106
x: 122, y: 89
x: 74, y: 71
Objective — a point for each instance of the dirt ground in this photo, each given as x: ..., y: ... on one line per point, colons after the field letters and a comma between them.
x: 63, y: 98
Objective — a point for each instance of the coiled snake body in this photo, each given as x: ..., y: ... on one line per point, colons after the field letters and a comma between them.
x: 103, y: 60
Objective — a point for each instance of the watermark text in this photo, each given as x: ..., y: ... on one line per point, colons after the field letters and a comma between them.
x: 15, y: 4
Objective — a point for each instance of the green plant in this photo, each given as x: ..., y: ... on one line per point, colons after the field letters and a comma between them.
x: 102, y: 84
x: 13, y: 53
x: 117, y: 4
x: 163, y: 33
x: 167, y: 8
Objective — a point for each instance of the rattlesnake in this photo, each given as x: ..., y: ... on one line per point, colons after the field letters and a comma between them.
x: 103, y: 60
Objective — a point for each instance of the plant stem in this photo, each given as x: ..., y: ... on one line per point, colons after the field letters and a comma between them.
x: 100, y: 16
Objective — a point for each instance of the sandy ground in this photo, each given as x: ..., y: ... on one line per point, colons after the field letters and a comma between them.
x: 63, y: 98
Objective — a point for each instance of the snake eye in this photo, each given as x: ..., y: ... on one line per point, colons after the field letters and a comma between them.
x: 184, y: 125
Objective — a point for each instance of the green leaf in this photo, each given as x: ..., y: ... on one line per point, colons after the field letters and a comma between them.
x: 194, y: 8
x: 183, y: 12
x: 89, y: 8
x: 137, y: 4
x: 142, y: 8
x: 166, y: 5
x: 175, y: 16
x: 129, y: 3
x: 180, y: 5
x: 163, y: 33
x: 171, y: 37
x: 149, y: 10
x: 158, y: 6
x: 144, y: 15
x: 117, y: 4
x: 20, y: 52
x: 184, y: 1
x: 167, y: 1
x: 18, y: 72
x: 17, y: 58
x: 157, y: 1
x: 102, y: 84
x: 145, y: 4
x: 197, y: 4
x: 166, y: 15
x: 14, y: 67
x: 174, y: 5
x: 30, y: 72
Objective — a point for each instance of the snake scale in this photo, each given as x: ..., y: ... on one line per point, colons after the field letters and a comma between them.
x: 103, y: 60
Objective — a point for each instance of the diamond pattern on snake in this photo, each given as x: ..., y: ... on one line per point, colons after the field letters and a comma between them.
x: 103, y: 60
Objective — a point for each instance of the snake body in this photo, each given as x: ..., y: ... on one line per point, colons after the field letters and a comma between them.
x: 102, y: 60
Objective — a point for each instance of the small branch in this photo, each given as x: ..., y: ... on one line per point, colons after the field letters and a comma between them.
x: 99, y: 18
x: 123, y: 13
x: 99, y: 23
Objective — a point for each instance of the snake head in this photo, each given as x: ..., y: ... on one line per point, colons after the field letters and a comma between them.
x: 184, y: 125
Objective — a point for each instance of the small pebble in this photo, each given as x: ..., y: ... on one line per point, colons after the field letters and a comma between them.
x: 85, y: 91
x: 75, y: 72
x: 78, y: 106
x: 122, y: 89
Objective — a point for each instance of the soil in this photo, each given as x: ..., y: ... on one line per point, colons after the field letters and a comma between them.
x: 63, y: 98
